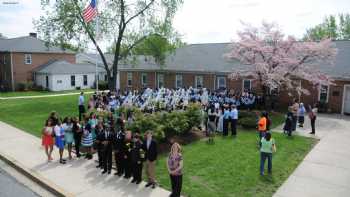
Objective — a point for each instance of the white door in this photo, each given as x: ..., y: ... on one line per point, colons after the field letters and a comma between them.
x: 347, y: 100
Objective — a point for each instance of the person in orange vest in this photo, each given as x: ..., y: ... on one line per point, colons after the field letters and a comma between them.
x: 262, y: 125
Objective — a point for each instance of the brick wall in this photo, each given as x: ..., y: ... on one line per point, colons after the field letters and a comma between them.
x: 23, y: 72
x: 335, y: 96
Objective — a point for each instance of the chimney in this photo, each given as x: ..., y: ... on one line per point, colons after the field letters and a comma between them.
x: 32, y: 34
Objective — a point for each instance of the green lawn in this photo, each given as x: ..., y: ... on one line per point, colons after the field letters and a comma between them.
x: 30, y: 114
x: 230, y: 167
x: 38, y: 93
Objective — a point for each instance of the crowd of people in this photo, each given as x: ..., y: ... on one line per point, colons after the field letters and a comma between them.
x: 296, y: 117
x: 107, y: 135
x: 150, y: 100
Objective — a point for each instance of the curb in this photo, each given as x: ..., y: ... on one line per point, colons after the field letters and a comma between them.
x: 35, y: 177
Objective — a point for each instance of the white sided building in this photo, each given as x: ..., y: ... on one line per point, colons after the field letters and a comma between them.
x: 58, y: 75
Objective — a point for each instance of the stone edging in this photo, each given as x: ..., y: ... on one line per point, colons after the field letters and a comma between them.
x: 46, y: 184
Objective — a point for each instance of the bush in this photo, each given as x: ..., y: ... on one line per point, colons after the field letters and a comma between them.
x: 175, y: 123
x: 77, y: 88
x: 38, y: 88
x: 102, y: 85
x: 248, y: 122
x: 164, y: 124
x: 21, y: 86
x: 193, y: 115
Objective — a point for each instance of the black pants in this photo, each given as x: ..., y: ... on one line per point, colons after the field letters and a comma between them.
x: 81, y: 111
x: 107, y: 159
x: 234, y: 127
x: 225, y: 127
x: 119, y: 158
x: 100, y: 155
x: 176, y: 184
x: 294, y: 124
x: 313, y: 120
x: 137, y: 171
x: 77, y: 142
x: 127, y: 167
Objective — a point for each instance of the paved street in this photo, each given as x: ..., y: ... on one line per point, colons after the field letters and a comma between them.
x: 325, y: 171
x: 10, y: 187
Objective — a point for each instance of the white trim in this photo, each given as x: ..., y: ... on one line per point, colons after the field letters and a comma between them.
x: 217, y: 81
x: 163, y: 81
x: 176, y: 78
x: 12, y: 79
x: 129, y: 74
x: 25, y: 58
x: 319, y: 92
x: 196, y: 82
x: 344, y: 95
x: 142, y: 82
x: 250, y: 84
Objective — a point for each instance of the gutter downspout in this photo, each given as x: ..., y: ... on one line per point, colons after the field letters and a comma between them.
x: 12, y: 80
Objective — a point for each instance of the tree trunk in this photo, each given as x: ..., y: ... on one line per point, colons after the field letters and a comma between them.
x: 111, y: 83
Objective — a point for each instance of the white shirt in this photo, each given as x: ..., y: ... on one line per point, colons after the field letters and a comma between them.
x: 57, y: 130
x: 234, y: 114
x: 148, y: 143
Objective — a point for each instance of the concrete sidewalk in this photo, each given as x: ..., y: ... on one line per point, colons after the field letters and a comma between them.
x: 78, y: 177
x: 325, y: 171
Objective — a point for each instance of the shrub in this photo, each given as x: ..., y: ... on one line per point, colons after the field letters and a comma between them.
x: 175, y: 123
x: 21, y: 86
x: 164, y: 124
x: 77, y: 88
x: 193, y: 115
x: 248, y: 122
x: 102, y: 85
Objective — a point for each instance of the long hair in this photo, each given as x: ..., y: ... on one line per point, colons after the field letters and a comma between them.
x: 175, y: 145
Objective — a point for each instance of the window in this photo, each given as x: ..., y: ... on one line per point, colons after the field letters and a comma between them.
x: 85, y: 80
x: 323, y: 94
x: 199, y: 81
x: 72, y: 80
x: 144, y: 79
x: 221, y: 82
x: 28, y: 58
x: 129, y: 79
x: 59, y: 81
x: 178, y: 83
x: 160, y: 80
x: 247, y: 84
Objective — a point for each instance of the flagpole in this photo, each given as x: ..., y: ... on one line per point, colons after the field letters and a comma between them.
x: 96, y: 34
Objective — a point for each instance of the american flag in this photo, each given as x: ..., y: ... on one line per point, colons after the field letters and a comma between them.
x: 90, y: 12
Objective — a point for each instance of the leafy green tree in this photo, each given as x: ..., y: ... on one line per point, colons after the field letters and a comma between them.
x: 125, y: 23
x: 156, y: 46
x: 344, y: 25
x: 334, y: 27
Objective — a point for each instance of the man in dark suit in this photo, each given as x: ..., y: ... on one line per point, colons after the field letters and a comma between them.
x: 98, y: 144
x: 118, y: 151
x: 150, y: 147
x: 107, y: 140
x: 137, y: 157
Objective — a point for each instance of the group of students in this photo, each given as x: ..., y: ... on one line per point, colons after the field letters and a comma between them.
x: 296, y: 116
x: 107, y: 136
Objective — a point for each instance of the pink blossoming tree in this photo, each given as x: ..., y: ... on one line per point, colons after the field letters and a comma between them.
x: 279, y: 61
